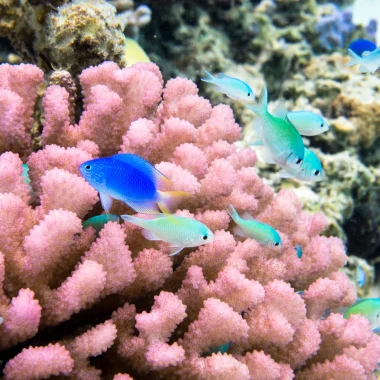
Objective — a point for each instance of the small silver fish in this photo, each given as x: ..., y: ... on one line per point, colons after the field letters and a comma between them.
x: 234, y: 88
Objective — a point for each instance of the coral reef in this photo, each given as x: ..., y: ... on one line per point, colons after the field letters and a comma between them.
x: 70, y: 35
x: 136, y: 312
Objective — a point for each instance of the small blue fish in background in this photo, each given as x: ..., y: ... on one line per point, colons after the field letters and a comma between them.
x: 251, y: 228
x: 1, y: 320
x: 234, y: 88
x: 360, y: 276
x: 133, y: 180
x: 361, y: 45
x: 223, y: 348
x: 301, y: 292
x: 97, y: 222
x: 369, y: 62
x: 298, y: 249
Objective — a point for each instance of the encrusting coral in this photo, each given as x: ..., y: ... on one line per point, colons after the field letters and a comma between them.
x: 149, y: 315
x: 70, y: 35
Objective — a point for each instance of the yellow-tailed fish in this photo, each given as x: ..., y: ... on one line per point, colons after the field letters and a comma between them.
x: 251, y: 228
x: 179, y: 231
x: 133, y: 180
x: 234, y: 88
x: 134, y: 53
x: 278, y: 135
x: 369, y: 308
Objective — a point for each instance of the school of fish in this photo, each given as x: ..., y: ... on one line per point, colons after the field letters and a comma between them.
x: 133, y: 180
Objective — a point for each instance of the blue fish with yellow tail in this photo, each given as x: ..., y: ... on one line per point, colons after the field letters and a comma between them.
x: 133, y: 180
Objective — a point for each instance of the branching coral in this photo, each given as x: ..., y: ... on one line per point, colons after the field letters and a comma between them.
x: 149, y: 315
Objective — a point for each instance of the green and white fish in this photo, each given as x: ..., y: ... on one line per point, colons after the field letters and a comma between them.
x: 369, y: 308
x: 251, y: 228
x: 234, y: 88
x: 180, y: 232
x: 279, y: 136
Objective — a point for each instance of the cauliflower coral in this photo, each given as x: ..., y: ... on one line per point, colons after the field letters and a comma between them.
x: 141, y: 313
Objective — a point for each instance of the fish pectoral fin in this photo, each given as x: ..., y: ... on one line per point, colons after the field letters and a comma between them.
x: 169, y: 200
x: 263, y: 154
x: 106, y: 202
x: 144, y: 207
x: 280, y: 111
x: 174, y: 249
x: 238, y: 231
x: 149, y: 235
x: 285, y: 174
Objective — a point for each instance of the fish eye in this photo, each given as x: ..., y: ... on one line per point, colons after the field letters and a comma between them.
x: 317, y: 173
x: 322, y: 125
x: 205, y: 237
x: 277, y: 244
x: 88, y: 167
x: 299, y: 161
x: 249, y: 94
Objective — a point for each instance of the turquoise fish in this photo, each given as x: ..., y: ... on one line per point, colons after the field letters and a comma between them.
x: 97, y: 222
x: 279, y: 136
x: 251, y: 228
x: 234, y: 88
x: 307, y: 123
x: 179, y: 231
x: 133, y: 180
x: 298, y: 249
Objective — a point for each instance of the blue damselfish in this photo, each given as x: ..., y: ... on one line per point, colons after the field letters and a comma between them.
x: 133, y: 180
x: 361, y: 45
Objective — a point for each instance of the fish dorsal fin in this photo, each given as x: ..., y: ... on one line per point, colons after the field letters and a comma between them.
x: 280, y: 111
x: 366, y: 53
x: 221, y: 75
x: 143, y: 165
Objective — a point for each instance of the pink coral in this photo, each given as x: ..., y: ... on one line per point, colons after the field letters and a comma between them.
x: 18, y: 92
x: 170, y: 316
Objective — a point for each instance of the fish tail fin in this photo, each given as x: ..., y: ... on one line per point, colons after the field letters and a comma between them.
x: 209, y: 78
x: 134, y: 220
x: 169, y: 200
x: 233, y: 213
x: 355, y: 59
x: 262, y: 105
